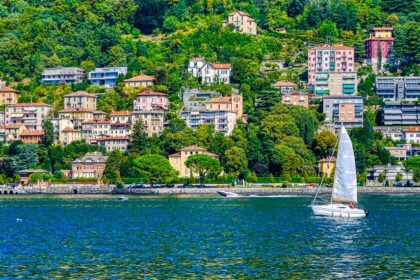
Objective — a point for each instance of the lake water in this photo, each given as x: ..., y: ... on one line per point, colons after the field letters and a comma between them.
x: 205, y: 237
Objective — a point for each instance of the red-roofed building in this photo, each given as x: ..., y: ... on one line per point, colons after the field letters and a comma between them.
x: 215, y: 73
x: 379, y: 47
x: 150, y: 100
x: 177, y: 160
x: 226, y: 103
x: 31, y: 136
x: 12, y: 132
x: 121, y: 116
x: 242, y: 22
x: 298, y: 98
x: 412, y: 134
x: 140, y: 81
x: 8, y: 95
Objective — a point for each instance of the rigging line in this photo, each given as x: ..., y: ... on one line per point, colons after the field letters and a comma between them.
x: 323, y: 177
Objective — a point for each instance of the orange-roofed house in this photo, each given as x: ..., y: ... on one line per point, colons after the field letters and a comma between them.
x: 32, y: 115
x: 69, y: 135
x: 151, y: 100
x: 92, y: 129
x: 140, y: 81
x: 31, y: 136
x: 216, y: 73
x: 177, y: 160
x: 9, y: 95
x: 242, y: 22
x: 326, y: 166
x: 284, y: 86
x: 12, y: 132
x: 121, y: 116
x: 298, y: 98
x: 226, y: 103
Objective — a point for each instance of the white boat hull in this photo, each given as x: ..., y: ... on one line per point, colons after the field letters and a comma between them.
x: 228, y: 194
x: 338, y: 210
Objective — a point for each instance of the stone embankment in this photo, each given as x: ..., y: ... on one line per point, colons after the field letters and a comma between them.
x: 66, y: 189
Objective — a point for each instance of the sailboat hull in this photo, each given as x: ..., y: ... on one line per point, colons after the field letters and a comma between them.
x: 338, y: 210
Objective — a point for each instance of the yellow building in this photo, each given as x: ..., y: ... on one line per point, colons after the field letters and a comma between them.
x: 69, y: 135
x: 177, y: 160
x: 8, y: 96
x: 326, y: 165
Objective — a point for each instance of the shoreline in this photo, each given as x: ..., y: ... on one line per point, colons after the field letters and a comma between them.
x: 269, y: 190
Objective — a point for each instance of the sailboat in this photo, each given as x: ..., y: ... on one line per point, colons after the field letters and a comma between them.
x: 344, y: 193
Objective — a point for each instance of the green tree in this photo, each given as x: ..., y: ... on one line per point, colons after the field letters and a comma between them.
x: 329, y: 31
x: 113, y: 165
x: 413, y: 164
x: 138, y: 137
x: 324, y: 143
x: 155, y: 169
x: 204, y: 165
x: 26, y: 156
x: 235, y: 161
x: 49, y: 133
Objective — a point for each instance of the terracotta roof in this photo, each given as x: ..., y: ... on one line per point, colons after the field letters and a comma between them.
x: 140, y: 78
x: 220, y: 65
x: 99, y: 113
x: 193, y: 148
x: 29, y: 104
x: 242, y: 13
x: 328, y: 159
x: 97, y: 121
x: 81, y: 93
x: 76, y: 110
x: 32, y: 133
x: 222, y: 99
x: 9, y: 89
x: 69, y: 129
x: 332, y: 47
x: 151, y: 93
x: 13, y: 125
x: 372, y: 38
x: 383, y: 28
x: 413, y: 129
x: 284, y: 84
x: 175, y: 155
x: 113, y: 138
x: 121, y: 113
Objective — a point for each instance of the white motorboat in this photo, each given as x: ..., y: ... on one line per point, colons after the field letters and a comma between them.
x: 344, y: 194
x: 122, y: 198
x: 228, y: 194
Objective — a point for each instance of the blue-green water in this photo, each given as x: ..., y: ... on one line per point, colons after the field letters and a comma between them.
x: 206, y: 237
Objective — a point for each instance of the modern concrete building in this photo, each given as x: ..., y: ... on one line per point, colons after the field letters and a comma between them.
x: 195, y: 99
x: 401, y: 113
x: 62, y: 75
x: 151, y: 100
x: 389, y: 173
x: 398, y: 88
x: 80, y: 100
x: 400, y: 153
x: 326, y: 67
x: 92, y: 165
x: 32, y: 115
x: 343, y: 110
x: 223, y: 121
x: 242, y: 22
x: 106, y: 77
x: 178, y: 160
x: 378, y: 47
x: 140, y: 81
x: 9, y: 96
x: 298, y: 98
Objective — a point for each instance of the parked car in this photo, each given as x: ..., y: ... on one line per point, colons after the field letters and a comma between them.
x: 398, y: 184
x: 136, y: 186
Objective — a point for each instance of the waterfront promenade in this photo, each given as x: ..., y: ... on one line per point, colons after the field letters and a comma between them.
x: 258, y: 190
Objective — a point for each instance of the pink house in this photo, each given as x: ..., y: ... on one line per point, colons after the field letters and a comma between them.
x: 150, y: 101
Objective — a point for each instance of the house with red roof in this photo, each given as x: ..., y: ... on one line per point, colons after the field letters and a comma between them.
x: 140, y: 81
x: 151, y: 100
x: 210, y: 72
x: 9, y: 95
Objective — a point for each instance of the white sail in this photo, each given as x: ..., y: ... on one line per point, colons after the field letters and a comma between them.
x: 345, y: 181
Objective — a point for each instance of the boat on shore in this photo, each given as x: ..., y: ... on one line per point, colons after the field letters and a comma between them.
x: 122, y: 198
x: 228, y: 194
x: 344, y: 195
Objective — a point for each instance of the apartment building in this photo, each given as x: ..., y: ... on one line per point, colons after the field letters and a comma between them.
x: 32, y: 115
x: 223, y: 121
x: 112, y: 143
x: 401, y: 113
x: 80, y: 100
x: 398, y: 88
x: 31, y: 136
x: 326, y: 67
x: 93, y: 129
x: 62, y: 75
x: 12, y: 132
x: 178, y: 160
x: 153, y: 121
x: 69, y: 135
x: 107, y: 76
x: 343, y: 110
x: 91, y: 165
x: 226, y: 103
x: 76, y: 115
x: 121, y: 117
x: 140, y: 81
x: 242, y: 22
x: 9, y: 96
x: 151, y: 100
x: 298, y: 98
